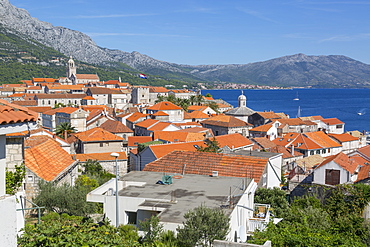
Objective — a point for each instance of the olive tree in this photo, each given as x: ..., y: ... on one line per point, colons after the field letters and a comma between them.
x: 203, y: 225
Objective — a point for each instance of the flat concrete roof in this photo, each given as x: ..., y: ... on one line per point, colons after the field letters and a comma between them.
x: 186, y: 193
x: 261, y: 154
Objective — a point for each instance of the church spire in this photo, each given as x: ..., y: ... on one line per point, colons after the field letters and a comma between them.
x: 242, y: 100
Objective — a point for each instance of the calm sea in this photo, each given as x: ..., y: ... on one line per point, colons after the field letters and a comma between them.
x: 344, y: 104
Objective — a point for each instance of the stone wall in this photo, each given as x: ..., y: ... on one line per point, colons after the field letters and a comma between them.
x: 14, y: 152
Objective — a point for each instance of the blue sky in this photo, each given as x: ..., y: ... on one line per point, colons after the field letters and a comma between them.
x: 216, y: 31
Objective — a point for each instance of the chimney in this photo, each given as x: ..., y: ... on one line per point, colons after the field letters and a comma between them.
x: 214, y: 173
x: 292, y: 149
x: 183, y: 170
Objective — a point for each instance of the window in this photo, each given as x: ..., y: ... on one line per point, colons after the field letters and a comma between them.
x: 339, y: 126
x: 317, y: 151
x: 101, y: 144
x: 131, y: 217
x: 30, y: 178
x: 312, y: 152
x: 324, y: 151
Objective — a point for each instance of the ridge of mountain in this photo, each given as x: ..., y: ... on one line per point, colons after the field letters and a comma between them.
x: 293, y: 70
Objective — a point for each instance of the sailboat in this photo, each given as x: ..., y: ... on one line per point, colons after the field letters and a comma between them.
x: 296, y: 98
x: 299, y: 112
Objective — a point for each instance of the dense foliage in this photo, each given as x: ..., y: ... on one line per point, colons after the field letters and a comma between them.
x: 203, y: 225
x: 335, y: 221
x: 14, y: 179
x: 212, y: 146
x: 65, y: 230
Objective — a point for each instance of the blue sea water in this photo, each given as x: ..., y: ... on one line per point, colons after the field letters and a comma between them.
x: 344, y: 104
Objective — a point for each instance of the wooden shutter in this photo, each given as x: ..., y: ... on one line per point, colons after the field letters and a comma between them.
x: 332, y: 177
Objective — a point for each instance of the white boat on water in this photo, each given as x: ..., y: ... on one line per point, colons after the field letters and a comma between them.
x: 296, y: 98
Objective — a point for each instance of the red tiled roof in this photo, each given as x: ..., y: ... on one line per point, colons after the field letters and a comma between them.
x: 47, y: 160
x: 163, y: 149
x: 99, y: 156
x: 332, y: 121
x: 87, y: 76
x: 178, y: 136
x: 235, y: 140
x: 164, y: 105
x: 158, y: 90
x: 60, y: 96
x: 25, y: 103
x: 147, y: 123
x: 136, y: 116
x: 39, y: 109
x: 365, y: 151
x: 33, y: 141
x: 269, y: 115
x: 342, y: 160
x: 225, y: 121
x: 264, y: 142
x: 205, y: 163
x: 159, y: 126
x: 44, y: 80
x: 345, y: 137
x: 96, y: 134
x: 322, y: 139
x: 262, y: 128
x: 11, y: 113
x: 134, y: 140
x: 115, y: 127
x: 160, y: 113
x: 198, y: 115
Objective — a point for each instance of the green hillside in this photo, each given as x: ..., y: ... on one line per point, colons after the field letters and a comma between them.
x: 23, y: 59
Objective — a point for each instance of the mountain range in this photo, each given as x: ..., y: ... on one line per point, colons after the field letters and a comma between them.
x: 299, y: 70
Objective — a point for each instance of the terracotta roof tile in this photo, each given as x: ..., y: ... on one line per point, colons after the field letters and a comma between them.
x: 26, y: 103
x: 225, y: 121
x: 264, y: 143
x: 322, y: 139
x: 178, y: 136
x: 87, y: 76
x: 96, y: 134
x: 47, y: 160
x: 147, y: 123
x: 342, y: 160
x: 365, y: 151
x: 262, y: 128
x: 162, y: 149
x: 136, y: 116
x: 134, y: 140
x: 160, y: 113
x: 11, y: 113
x: 205, y: 163
x: 345, y: 137
x: 235, y: 140
x: 158, y: 90
x: 198, y: 115
x: 332, y: 121
x: 164, y: 105
x: 99, y: 156
x: 115, y: 127
x: 159, y: 126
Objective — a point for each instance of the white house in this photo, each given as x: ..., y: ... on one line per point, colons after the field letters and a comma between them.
x: 337, y: 169
x: 13, y: 119
x: 140, y: 197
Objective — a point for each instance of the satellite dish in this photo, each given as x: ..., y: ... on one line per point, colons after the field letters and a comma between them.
x: 242, y: 234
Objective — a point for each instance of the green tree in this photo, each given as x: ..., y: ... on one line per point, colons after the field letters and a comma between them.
x: 276, y: 198
x: 152, y: 228
x: 64, y: 130
x: 212, y: 146
x: 202, y: 226
x: 213, y: 105
x: 208, y: 95
x: 65, y: 230
x: 65, y: 199
x: 14, y: 179
x: 59, y: 105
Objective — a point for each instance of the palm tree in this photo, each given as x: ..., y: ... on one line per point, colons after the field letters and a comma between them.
x: 160, y: 98
x: 63, y: 130
x: 193, y: 99
x: 199, y: 99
